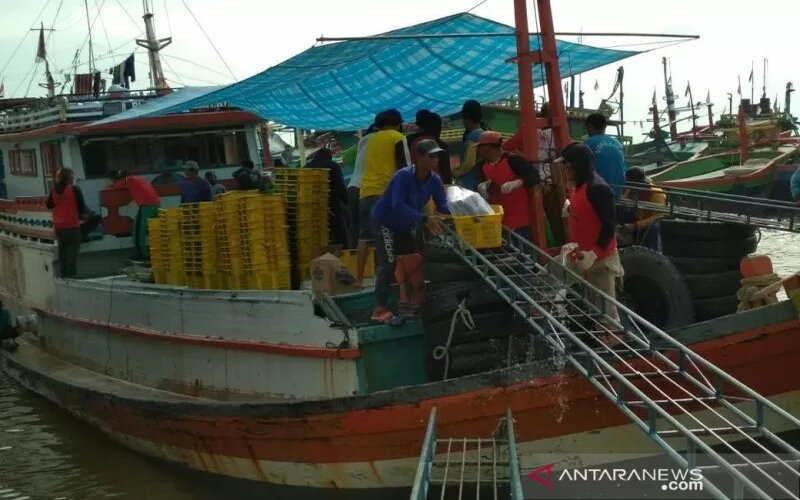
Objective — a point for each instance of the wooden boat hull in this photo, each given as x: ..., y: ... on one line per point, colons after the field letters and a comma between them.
x: 372, y: 441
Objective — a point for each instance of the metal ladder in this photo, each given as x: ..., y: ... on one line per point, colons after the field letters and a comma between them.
x: 704, y: 205
x: 657, y: 382
x: 469, y: 466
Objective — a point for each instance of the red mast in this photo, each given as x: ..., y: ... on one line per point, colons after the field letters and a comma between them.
x: 529, y: 124
x: 743, y: 153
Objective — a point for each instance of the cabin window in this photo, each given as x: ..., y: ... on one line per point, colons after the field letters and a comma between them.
x: 51, y: 162
x: 163, y: 153
x: 22, y: 162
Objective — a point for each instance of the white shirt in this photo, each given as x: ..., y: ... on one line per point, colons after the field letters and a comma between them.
x: 358, y: 169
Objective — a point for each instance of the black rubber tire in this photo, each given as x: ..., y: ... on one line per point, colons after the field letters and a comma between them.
x: 441, y: 299
x: 717, y: 248
x: 655, y: 289
x: 442, y: 272
x: 439, y: 253
x: 707, y: 309
x: 704, y: 230
x: 705, y: 286
x: 700, y: 265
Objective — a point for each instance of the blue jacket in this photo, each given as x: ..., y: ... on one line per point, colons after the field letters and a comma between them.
x: 404, y: 200
x: 609, y: 161
x: 195, y: 192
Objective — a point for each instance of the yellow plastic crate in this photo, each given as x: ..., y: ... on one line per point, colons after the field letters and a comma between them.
x: 350, y: 259
x: 481, y: 231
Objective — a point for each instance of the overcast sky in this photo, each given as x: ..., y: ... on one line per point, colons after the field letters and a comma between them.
x: 253, y: 35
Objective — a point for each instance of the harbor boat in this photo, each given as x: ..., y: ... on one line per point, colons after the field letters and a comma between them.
x: 298, y: 390
x: 726, y: 173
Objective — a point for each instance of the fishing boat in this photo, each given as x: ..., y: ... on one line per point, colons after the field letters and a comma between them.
x: 296, y: 390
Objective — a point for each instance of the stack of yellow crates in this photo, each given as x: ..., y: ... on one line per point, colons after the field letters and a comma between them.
x: 306, y: 193
x: 199, y: 242
x: 229, y: 239
x: 165, y: 241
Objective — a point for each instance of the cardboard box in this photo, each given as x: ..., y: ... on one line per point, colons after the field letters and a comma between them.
x: 329, y: 275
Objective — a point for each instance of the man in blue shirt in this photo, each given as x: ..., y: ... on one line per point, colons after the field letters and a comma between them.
x: 609, y: 159
x: 794, y: 186
x: 397, y: 220
x: 194, y: 188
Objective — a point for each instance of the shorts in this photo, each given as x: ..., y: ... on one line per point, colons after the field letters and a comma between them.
x: 364, y: 215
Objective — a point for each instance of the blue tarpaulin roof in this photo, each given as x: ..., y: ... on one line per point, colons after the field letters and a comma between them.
x: 340, y: 86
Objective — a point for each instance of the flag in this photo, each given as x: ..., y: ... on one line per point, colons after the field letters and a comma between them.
x: 596, y: 85
x: 654, y: 97
x: 688, y: 89
x: 708, y: 97
x: 2, y: 88
x: 41, y: 52
x: 739, y: 88
x: 750, y: 78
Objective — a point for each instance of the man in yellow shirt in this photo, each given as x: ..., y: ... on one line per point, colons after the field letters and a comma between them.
x: 642, y: 223
x: 379, y: 167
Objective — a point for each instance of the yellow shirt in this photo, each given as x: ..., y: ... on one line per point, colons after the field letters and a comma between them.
x: 646, y: 218
x: 379, y: 163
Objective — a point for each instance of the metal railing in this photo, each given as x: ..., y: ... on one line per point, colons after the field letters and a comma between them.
x: 703, y: 205
x: 688, y: 406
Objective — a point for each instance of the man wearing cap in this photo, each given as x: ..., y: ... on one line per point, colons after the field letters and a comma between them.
x: 472, y: 117
x: 397, y: 218
x: 640, y: 223
x: 194, y: 189
x: 592, y: 223
x: 504, y: 179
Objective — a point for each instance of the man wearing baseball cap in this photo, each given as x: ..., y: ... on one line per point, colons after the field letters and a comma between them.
x: 592, y: 223
x: 504, y: 179
x: 397, y: 220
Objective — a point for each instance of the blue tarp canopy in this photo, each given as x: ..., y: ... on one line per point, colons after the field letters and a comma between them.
x: 340, y: 86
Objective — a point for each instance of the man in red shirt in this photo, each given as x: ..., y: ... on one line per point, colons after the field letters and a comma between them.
x: 148, y: 201
x: 504, y: 179
x: 592, y: 223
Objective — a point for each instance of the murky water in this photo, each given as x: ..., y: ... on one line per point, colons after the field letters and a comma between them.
x: 45, y: 454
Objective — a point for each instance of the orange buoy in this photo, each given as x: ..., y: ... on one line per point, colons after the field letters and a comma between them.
x: 755, y: 265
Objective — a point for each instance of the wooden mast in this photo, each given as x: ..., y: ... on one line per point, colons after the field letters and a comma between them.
x: 529, y: 124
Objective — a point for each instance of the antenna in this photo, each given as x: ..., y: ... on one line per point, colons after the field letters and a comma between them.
x: 153, y: 46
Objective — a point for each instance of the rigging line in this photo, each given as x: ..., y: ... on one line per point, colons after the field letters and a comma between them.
x: 541, y: 66
x: 27, y: 32
x: 52, y: 30
x: 85, y: 40
x: 194, y: 64
x: 209, y: 40
x: 128, y: 14
x: 22, y: 80
x: 177, y: 78
x: 166, y: 10
x: 105, y: 31
x: 474, y: 6
x: 30, y: 82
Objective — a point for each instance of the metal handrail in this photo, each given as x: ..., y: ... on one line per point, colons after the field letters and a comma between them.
x: 534, y: 294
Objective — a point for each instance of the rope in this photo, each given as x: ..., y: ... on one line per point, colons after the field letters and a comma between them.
x: 751, y: 286
x: 442, y: 352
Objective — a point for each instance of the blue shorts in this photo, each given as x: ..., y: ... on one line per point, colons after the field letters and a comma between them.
x: 364, y: 215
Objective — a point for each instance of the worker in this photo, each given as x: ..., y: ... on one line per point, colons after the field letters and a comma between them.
x: 472, y: 117
x: 337, y: 195
x: 216, y: 187
x: 609, y: 158
x: 504, y: 179
x: 397, y: 221
x: 194, y: 189
x: 148, y: 203
x: 66, y: 202
x: 379, y: 167
x: 248, y: 177
x: 794, y: 186
x: 7, y: 329
x: 642, y: 224
x: 547, y: 148
x: 354, y: 187
x: 167, y: 177
x: 592, y: 224
x: 429, y: 126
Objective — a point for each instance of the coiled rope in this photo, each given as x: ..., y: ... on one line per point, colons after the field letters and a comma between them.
x: 750, y: 294
x: 443, y: 351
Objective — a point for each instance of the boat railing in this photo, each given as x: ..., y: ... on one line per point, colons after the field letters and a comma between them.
x: 720, y: 207
x: 692, y: 409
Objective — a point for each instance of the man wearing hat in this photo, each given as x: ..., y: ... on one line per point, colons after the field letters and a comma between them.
x: 194, y: 189
x: 504, y: 179
x: 592, y: 223
x: 397, y: 220
x: 640, y: 223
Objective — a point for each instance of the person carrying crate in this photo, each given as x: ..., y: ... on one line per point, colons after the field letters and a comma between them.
x: 397, y: 220
x: 504, y: 179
